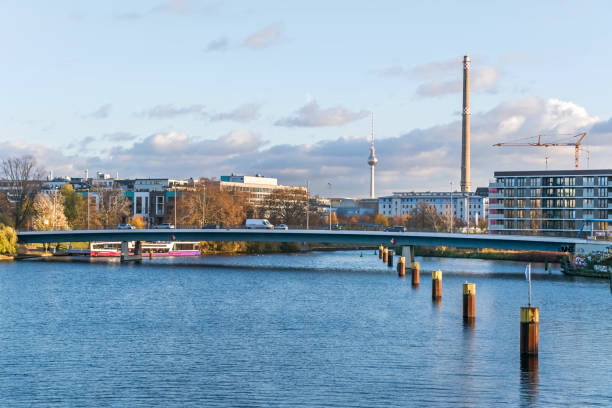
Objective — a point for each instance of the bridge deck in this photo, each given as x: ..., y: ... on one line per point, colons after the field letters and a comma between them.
x: 517, y: 242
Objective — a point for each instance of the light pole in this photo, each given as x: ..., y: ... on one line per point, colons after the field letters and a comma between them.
x: 54, y: 197
x: 307, y: 201
x: 88, y: 208
x: 330, y: 208
x: 204, y: 205
x: 451, y: 211
x: 175, y: 205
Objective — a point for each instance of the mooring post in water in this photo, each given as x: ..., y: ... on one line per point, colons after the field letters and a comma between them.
x: 469, y: 301
x: 401, y: 266
x: 385, y: 255
x: 380, y: 252
x: 436, y: 285
x: 390, y: 258
x: 530, y: 323
x: 415, y: 273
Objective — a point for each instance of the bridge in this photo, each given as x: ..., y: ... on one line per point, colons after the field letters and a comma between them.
x: 405, y: 239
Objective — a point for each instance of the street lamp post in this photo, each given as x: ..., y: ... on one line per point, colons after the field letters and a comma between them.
x: 54, y: 197
x: 175, y: 205
x: 452, y: 208
x: 330, y: 207
x: 307, y: 201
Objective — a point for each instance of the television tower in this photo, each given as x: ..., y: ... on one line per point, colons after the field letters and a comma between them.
x: 372, y: 161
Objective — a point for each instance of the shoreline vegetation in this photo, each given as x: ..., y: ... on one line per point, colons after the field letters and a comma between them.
x: 255, y: 248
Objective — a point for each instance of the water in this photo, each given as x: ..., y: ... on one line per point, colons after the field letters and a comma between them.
x: 324, y: 329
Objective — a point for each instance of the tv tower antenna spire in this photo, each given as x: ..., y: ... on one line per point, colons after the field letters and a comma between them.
x: 372, y: 160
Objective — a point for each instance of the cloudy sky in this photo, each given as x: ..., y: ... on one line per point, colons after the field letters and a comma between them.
x: 184, y: 88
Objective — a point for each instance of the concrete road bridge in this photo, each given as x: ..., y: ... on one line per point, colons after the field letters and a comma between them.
x: 376, y: 238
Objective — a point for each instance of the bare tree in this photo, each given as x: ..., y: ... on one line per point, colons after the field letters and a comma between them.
x: 113, y: 208
x: 24, y: 180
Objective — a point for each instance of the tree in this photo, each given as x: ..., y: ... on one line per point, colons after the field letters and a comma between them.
x: 74, y: 206
x: 8, y: 240
x: 112, y: 209
x: 24, y: 180
x: 380, y: 219
x: 208, y: 204
x: 424, y: 217
x: 138, y: 223
x: 286, y: 207
x: 49, y: 213
x: 334, y: 218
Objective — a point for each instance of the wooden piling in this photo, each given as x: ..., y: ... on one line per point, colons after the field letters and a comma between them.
x: 385, y: 254
x: 380, y: 252
x: 415, y: 273
x: 530, y: 324
x: 469, y: 301
x: 436, y: 285
x: 401, y: 266
x: 390, y: 258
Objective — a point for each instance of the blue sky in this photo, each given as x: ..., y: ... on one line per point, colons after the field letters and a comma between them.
x: 198, y: 88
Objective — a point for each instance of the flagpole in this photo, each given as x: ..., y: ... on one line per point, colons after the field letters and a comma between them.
x: 529, y: 266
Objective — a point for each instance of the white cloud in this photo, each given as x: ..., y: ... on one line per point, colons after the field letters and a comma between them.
x: 311, y: 115
x: 169, y: 111
x: 481, y: 79
x: 265, y: 37
x: 243, y: 113
x: 101, y: 113
x: 422, y: 159
x: 219, y: 44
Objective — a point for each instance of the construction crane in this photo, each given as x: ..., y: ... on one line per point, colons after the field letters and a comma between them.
x: 577, y: 139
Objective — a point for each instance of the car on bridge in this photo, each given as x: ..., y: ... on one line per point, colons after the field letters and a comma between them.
x: 396, y: 228
x: 281, y: 227
x: 255, y: 223
x: 164, y: 225
x: 125, y: 226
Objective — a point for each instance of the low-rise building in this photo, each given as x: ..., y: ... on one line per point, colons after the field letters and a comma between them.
x: 462, y: 205
x: 550, y: 202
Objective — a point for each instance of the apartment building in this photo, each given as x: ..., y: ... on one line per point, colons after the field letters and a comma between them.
x: 462, y: 205
x: 550, y: 202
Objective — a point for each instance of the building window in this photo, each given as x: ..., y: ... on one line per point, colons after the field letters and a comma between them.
x: 159, y: 205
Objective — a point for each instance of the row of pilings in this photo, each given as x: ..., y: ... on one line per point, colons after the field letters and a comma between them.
x: 529, y: 318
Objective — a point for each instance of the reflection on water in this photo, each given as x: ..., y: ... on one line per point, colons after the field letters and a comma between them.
x: 529, y: 380
x: 316, y: 329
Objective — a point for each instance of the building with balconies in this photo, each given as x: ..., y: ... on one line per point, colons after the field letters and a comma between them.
x: 550, y: 202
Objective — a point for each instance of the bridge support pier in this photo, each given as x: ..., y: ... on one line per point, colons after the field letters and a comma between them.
x: 408, y: 253
x: 125, y: 252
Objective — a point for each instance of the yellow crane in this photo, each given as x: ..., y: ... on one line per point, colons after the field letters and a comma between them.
x: 575, y: 141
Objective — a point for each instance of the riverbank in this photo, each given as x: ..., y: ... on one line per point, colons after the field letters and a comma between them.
x: 490, y: 254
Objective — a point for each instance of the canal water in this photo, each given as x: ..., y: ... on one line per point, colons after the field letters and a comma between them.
x: 331, y: 329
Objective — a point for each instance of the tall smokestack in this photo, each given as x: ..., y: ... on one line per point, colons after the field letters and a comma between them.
x: 465, y: 128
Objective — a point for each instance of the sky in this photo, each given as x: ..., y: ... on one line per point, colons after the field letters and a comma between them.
x: 188, y: 88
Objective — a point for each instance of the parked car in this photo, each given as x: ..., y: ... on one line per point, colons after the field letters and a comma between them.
x: 396, y: 228
x: 258, y: 223
x: 281, y: 227
x: 164, y: 225
x: 125, y: 226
